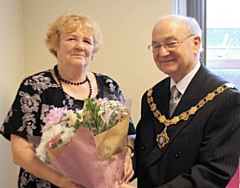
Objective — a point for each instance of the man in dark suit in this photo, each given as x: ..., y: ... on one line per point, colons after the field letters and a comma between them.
x: 198, y: 145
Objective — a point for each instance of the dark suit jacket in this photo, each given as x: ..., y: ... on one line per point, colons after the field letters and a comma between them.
x: 203, y: 151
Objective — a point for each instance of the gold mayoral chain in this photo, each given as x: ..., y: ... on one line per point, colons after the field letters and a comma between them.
x: 162, y: 138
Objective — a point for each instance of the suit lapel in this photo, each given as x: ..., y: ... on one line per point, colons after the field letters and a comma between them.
x: 161, y: 97
x: 189, y: 99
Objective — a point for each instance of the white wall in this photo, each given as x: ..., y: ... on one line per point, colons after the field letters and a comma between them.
x: 11, y: 72
x: 126, y: 27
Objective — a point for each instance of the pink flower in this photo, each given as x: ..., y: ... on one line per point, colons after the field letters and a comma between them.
x: 53, y: 118
x: 99, y: 101
x: 50, y: 144
x: 106, y: 117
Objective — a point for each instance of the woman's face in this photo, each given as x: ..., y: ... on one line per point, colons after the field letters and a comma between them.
x: 75, y: 49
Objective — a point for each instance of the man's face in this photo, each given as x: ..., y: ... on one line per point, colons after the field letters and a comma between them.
x: 175, y: 51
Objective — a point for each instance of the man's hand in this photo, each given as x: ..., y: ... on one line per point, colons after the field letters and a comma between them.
x: 128, y: 167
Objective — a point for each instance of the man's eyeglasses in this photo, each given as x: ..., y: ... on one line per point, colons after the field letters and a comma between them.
x: 168, y: 46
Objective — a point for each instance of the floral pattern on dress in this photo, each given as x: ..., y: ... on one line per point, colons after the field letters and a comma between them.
x: 45, y: 110
x: 29, y: 103
x: 28, y: 123
x: 39, y: 82
x: 9, y: 115
x: 25, y: 178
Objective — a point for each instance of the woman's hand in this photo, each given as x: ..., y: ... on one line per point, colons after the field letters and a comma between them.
x: 128, y: 167
x: 126, y: 186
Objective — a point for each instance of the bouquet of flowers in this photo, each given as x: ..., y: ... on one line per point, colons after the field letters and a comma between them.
x: 88, y: 146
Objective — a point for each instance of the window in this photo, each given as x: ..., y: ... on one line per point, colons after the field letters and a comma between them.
x: 223, y: 34
x: 221, y: 30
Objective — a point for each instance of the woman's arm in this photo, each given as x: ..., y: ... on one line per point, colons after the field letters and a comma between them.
x: 24, y: 156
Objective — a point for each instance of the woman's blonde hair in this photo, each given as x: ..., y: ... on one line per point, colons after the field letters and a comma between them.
x: 68, y: 23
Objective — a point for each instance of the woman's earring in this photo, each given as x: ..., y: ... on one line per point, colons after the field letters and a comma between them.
x: 55, y: 53
x: 92, y: 57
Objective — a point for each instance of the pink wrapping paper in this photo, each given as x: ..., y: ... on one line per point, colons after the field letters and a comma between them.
x: 235, y: 181
x: 94, y: 161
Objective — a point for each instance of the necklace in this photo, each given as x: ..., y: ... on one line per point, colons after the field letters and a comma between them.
x: 162, y: 138
x: 69, y: 82
x: 60, y: 80
x: 73, y: 83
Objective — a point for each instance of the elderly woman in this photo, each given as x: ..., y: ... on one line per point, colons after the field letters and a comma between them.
x: 73, y: 39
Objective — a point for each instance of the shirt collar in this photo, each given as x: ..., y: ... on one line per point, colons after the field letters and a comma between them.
x: 183, y: 83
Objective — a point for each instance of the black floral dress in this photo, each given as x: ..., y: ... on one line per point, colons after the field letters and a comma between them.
x: 38, y: 94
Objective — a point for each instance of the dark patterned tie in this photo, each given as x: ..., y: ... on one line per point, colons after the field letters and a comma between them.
x: 175, y: 96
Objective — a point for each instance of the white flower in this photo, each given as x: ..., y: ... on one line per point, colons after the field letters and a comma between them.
x: 67, y: 135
